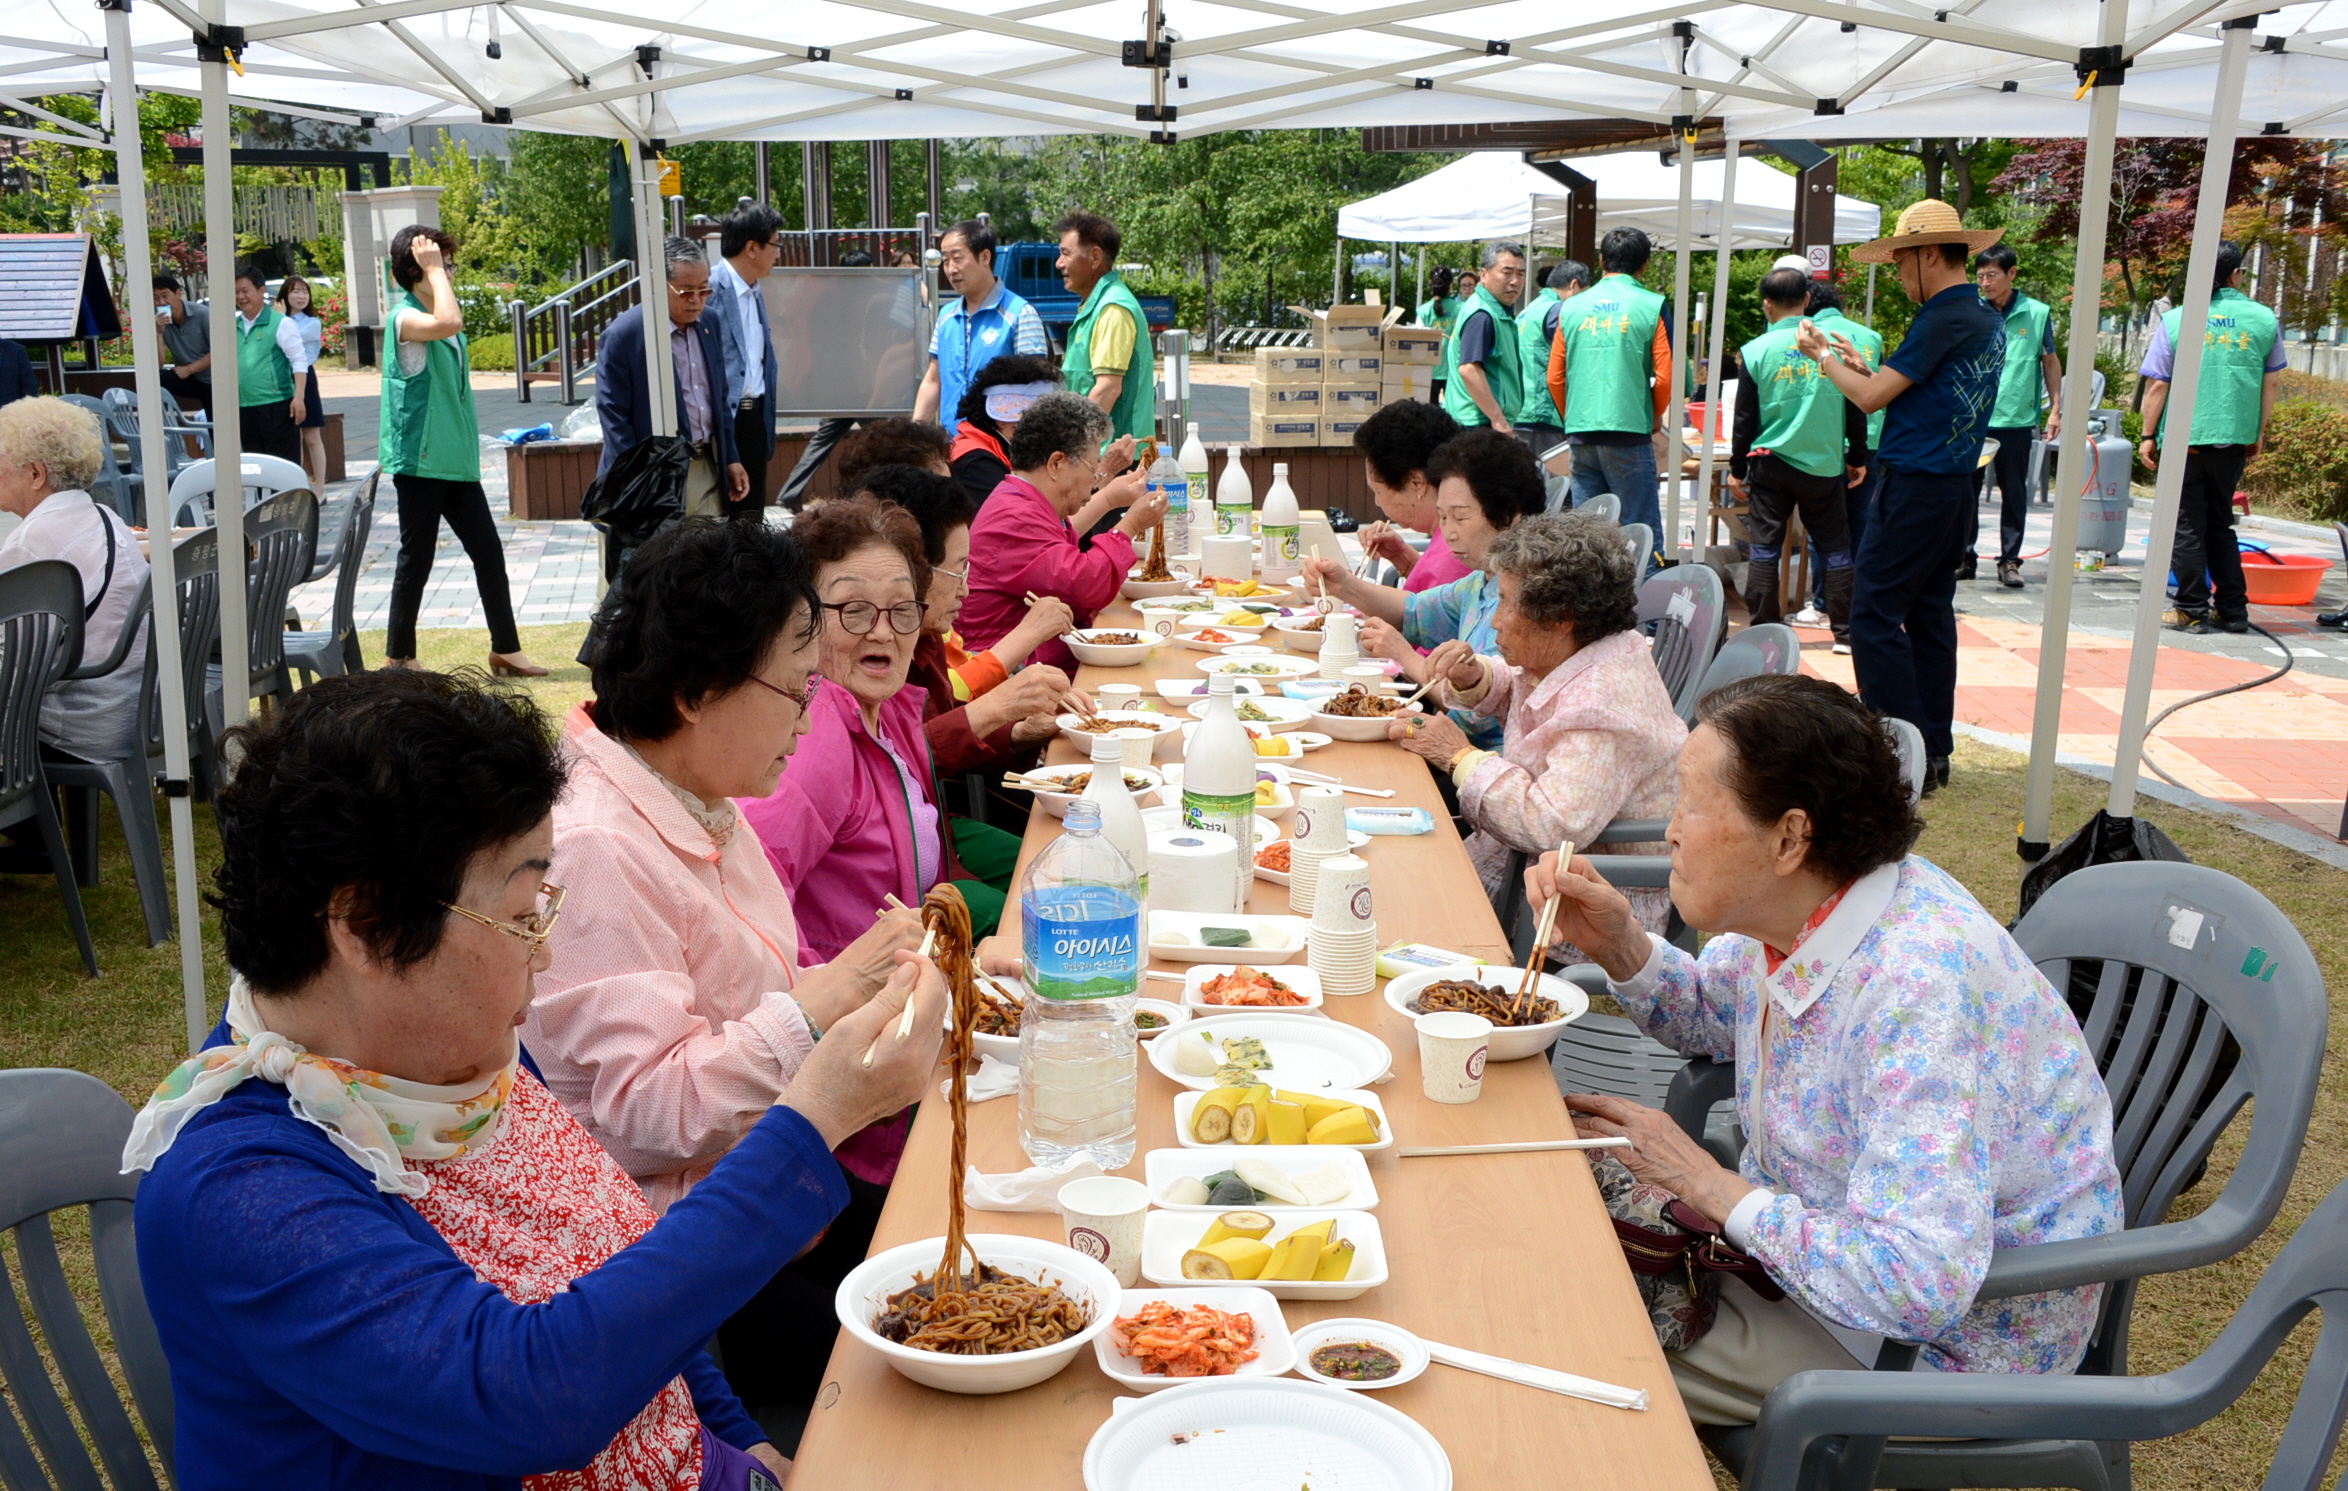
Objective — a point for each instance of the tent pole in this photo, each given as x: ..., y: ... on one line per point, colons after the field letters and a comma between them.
x: 228, y: 496
x: 1668, y: 540
x: 1422, y: 295
x: 2103, y: 118
x: 1337, y: 273
x: 130, y: 169
x: 2169, y: 486
x: 1725, y: 227
x: 652, y: 273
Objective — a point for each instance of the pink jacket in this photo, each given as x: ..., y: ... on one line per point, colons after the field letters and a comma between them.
x: 1019, y: 544
x: 838, y: 829
x: 665, y: 1022
x: 1437, y: 566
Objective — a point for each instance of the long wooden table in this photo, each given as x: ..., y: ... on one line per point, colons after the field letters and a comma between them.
x: 1506, y: 1254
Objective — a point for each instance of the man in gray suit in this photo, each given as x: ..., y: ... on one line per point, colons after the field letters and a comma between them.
x: 748, y: 250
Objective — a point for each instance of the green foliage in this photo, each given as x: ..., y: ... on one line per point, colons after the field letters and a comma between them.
x: 556, y: 194
x: 2303, y: 460
x: 493, y: 353
x: 324, y: 256
x: 472, y: 208
x: 718, y: 173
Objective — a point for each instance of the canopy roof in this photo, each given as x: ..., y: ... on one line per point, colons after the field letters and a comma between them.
x: 1492, y: 195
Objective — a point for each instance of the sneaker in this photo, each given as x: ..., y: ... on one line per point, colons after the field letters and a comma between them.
x: 2235, y: 625
x: 2009, y: 573
x: 2189, y: 624
x: 1842, y: 649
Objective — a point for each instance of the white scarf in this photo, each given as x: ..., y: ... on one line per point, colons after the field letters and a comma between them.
x: 380, y: 1122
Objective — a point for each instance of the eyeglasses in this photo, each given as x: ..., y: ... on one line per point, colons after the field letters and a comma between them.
x: 533, y: 929
x: 682, y: 293
x: 860, y: 617
x: 958, y: 576
x: 814, y: 682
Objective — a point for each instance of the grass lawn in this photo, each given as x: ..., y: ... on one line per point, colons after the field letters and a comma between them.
x: 126, y: 1026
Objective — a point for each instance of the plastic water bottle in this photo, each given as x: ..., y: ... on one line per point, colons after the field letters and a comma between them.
x: 1121, y: 821
x: 1085, y: 938
x: 1219, y: 783
x: 1166, y: 475
x: 1193, y: 460
x: 1235, y: 499
x: 1280, y: 524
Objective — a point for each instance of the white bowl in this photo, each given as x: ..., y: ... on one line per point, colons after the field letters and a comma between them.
x: 865, y: 1293
x: 1167, y: 1235
x: 1296, y: 637
x: 1110, y: 654
x: 1195, y: 979
x: 1361, y: 728
x: 1217, y: 637
x: 1162, y: 1167
x: 1407, y: 1348
x: 1169, y: 739
x: 1509, y: 1042
x: 1190, y: 690
x: 1286, y: 714
x: 1261, y: 665
x: 1275, y: 1351
x: 1166, y: 1009
x: 1056, y: 803
x: 1136, y: 589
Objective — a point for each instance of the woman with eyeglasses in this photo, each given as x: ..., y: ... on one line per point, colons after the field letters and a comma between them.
x: 378, y: 1251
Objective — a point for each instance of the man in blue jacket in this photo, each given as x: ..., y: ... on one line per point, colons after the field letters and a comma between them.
x: 748, y: 250
x: 623, y: 398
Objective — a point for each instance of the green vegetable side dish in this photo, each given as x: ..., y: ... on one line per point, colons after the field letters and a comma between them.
x: 1253, y: 712
x: 1228, y: 1189
x: 1255, y: 668
x: 1146, y: 1020
x: 1225, y: 936
x: 1355, y: 1361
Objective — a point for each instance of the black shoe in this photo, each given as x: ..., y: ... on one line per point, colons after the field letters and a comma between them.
x: 2337, y: 620
x: 1936, y: 775
x: 2188, y: 623
x: 2009, y: 573
x: 2238, y: 626
x: 1968, y: 568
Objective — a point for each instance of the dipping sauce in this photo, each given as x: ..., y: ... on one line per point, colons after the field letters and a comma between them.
x: 1355, y: 1361
x: 1148, y: 1020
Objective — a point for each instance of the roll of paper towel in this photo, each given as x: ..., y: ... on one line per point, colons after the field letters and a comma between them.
x: 1230, y: 557
x: 1191, y: 870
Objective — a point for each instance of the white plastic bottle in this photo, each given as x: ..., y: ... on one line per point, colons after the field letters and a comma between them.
x: 1084, y: 936
x: 1280, y: 524
x: 1167, y: 476
x: 1219, y: 783
x: 1121, y: 821
x: 1235, y: 498
x: 1196, y: 472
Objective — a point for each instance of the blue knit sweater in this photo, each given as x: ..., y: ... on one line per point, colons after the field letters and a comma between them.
x: 321, y: 1334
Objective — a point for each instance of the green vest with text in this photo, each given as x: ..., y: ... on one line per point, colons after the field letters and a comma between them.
x: 1136, y: 411
x: 1610, y: 357
x: 1532, y: 354
x: 2026, y: 340
x: 1801, y: 412
x: 1867, y: 340
x: 2234, y: 350
x: 1500, y: 366
x: 263, y: 376
x: 428, y: 425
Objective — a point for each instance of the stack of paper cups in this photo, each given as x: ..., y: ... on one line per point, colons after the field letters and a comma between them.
x: 1344, y: 935
x: 1317, y: 832
x: 1230, y: 557
x: 1340, y: 644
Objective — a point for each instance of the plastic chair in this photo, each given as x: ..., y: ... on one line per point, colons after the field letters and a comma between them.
x: 61, y: 1138
x: 110, y: 486
x: 81, y: 817
x: 263, y: 477
x: 1767, y: 648
x: 40, y: 639
x: 122, y: 420
x: 1909, y: 742
x: 1795, y: 1446
x: 2161, y: 1020
x: 1682, y: 610
x: 335, y: 649
x: 283, y: 533
x: 1605, y: 505
x: 1641, y: 540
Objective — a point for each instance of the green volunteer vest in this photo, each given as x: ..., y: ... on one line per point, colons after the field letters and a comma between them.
x: 1532, y: 351
x: 2019, y: 388
x: 1440, y: 314
x: 1500, y: 369
x: 263, y: 376
x: 1610, y: 357
x: 2234, y: 349
x: 1135, y: 412
x: 428, y: 426
x: 1801, y: 412
x: 1868, y: 341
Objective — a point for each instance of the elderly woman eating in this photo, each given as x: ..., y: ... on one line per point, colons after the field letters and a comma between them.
x: 1395, y: 443
x: 379, y: 1253
x: 1590, y: 732
x: 1915, y: 1093
x: 1023, y: 544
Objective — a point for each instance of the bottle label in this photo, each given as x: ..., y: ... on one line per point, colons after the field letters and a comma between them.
x: 1231, y: 520
x: 1283, y: 541
x: 1177, y: 497
x: 1082, y: 942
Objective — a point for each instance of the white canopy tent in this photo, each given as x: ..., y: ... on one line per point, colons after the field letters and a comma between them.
x: 866, y: 69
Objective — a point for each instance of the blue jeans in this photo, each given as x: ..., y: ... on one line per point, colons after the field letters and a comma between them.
x: 1903, y: 607
x: 1628, y: 471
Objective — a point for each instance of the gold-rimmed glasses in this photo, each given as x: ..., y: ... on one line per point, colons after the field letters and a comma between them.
x: 533, y: 929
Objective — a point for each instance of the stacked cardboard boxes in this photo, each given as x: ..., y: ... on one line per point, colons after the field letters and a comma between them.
x: 1408, y: 357
x: 1284, y: 398
x: 1349, y: 394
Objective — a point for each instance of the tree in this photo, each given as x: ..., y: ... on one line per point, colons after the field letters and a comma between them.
x: 559, y: 199
x: 472, y: 208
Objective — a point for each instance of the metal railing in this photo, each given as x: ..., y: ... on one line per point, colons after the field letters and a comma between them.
x: 557, y: 339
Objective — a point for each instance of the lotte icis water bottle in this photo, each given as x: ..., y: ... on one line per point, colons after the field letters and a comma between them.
x: 1084, y: 936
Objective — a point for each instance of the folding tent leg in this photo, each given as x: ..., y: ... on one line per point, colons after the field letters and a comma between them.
x: 1668, y: 541
x: 1724, y: 238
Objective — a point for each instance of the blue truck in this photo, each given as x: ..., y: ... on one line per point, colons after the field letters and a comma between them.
x: 1031, y: 270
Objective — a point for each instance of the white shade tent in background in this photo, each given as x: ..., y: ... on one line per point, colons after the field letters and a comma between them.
x: 889, y: 69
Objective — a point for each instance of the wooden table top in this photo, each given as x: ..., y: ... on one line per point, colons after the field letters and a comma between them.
x: 1511, y: 1255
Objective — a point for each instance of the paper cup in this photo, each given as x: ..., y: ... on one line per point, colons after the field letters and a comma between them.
x: 1369, y: 675
x: 1452, y: 1047
x: 1116, y: 696
x: 1341, y: 899
x: 1104, y: 1216
x: 1320, y: 820
x: 1137, y: 743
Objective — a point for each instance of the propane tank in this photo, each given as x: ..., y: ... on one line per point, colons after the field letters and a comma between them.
x: 2104, y: 502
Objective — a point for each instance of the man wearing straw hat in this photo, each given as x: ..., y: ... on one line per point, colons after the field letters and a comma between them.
x: 1937, y: 393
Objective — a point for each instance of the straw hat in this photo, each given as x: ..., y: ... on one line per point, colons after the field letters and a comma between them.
x: 1927, y: 222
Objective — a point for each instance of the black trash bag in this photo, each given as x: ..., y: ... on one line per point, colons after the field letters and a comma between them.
x: 640, y: 493
x: 2104, y: 840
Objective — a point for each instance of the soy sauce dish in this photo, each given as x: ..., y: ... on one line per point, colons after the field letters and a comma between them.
x: 1359, y: 1354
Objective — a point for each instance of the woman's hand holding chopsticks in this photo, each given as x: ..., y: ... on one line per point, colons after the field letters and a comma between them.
x: 1591, y: 915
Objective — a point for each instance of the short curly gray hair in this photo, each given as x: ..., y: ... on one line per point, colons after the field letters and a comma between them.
x: 63, y: 438
x: 1058, y: 424
x: 1571, y: 569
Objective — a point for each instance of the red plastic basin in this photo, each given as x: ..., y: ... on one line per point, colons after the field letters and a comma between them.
x: 2283, y: 579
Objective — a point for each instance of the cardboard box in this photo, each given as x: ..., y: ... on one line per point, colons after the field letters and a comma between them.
x: 1412, y: 344
x: 1290, y: 365
x: 1352, y: 367
x: 1412, y: 382
x: 1274, y: 431
x: 1339, y: 431
x: 1349, y: 328
x: 1350, y: 401
x: 1284, y: 398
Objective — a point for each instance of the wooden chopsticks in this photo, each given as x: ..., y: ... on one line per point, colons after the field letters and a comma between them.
x: 929, y: 940
x: 1539, y: 950
x: 1533, y: 1147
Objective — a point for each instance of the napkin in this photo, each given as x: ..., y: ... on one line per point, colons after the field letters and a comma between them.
x: 1033, y: 1189
x: 993, y: 1079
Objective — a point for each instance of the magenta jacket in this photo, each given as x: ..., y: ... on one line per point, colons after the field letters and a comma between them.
x: 839, y: 827
x: 1020, y: 543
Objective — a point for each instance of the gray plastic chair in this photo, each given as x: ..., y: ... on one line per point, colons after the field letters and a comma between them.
x: 81, y: 819
x: 1799, y: 1441
x: 111, y: 485
x: 1605, y: 505
x: 2162, y: 1021
x: 40, y: 639
x: 61, y: 1138
x: 122, y: 421
x: 283, y: 533
x: 1640, y: 540
x: 1771, y: 647
x: 334, y: 649
x: 1682, y: 610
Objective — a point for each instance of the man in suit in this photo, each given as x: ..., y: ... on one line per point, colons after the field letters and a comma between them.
x: 16, y: 374
x: 623, y: 398
x: 748, y: 250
